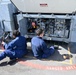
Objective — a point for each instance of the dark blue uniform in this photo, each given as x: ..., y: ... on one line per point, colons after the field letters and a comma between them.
x: 40, y: 49
x: 15, y: 49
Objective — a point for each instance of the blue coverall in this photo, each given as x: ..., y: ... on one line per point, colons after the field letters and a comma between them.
x: 15, y: 49
x: 40, y: 49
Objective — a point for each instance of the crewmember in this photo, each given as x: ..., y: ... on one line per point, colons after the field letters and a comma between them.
x: 16, y: 48
x: 39, y: 47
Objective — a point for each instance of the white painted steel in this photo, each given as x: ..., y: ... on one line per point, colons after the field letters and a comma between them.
x: 46, y: 6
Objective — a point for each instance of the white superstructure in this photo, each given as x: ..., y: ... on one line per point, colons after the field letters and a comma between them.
x: 46, y: 6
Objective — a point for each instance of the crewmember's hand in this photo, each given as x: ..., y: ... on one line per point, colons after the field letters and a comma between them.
x: 3, y: 43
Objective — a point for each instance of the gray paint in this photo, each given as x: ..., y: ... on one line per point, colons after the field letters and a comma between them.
x: 6, y: 14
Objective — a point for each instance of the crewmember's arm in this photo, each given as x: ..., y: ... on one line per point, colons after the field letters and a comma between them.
x: 45, y: 50
x: 11, y: 45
